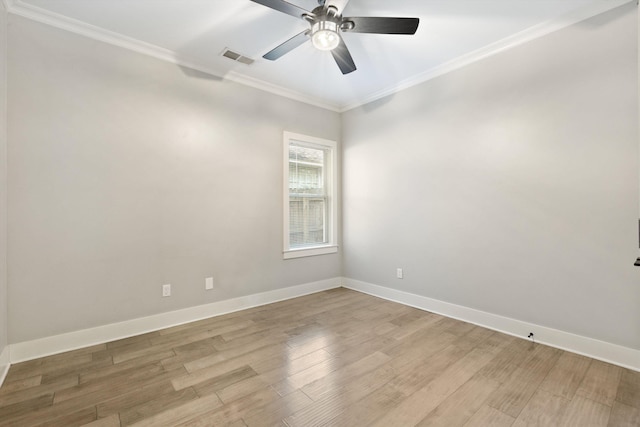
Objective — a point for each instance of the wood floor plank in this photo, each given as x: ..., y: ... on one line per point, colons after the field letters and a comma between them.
x: 317, y: 414
x: 514, y: 394
x: 585, y: 412
x: 600, y: 382
x: 242, y: 388
x: 221, y: 324
x: 50, y: 413
x: 420, y: 339
x: 307, y: 376
x: 375, y: 344
x: 629, y: 388
x: 250, y: 341
x: 165, y: 345
x: 488, y: 416
x: 624, y: 416
x: 333, y: 404
x: 53, y: 363
x: 275, y: 412
x: 190, y: 352
x: 417, y: 373
x: 334, y: 358
x: 33, y: 392
x: 223, y: 381
x: 201, y: 369
x: 458, y: 327
x: 543, y: 409
x: 507, y: 361
x: 102, y: 391
x: 328, y: 382
x: 182, y: 413
x: 18, y: 409
x: 565, y: 377
x: 232, y: 412
x: 418, y: 405
x: 130, y: 414
x: 53, y: 368
x: 474, y: 338
x: 131, y: 340
x: 80, y: 417
x: 384, y: 328
x: 382, y: 388
x: 12, y: 386
x: 281, y: 366
x: 458, y: 408
x: 132, y: 397
x: 368, y: 410
x: 110, y: 421
x: 401, y: 332
x: 124, y: 345
x: 112, y: 370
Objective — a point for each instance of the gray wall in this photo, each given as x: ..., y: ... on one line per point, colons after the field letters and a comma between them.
x: 509, y: 186
x: 3, y: 178
x: 126, y: 172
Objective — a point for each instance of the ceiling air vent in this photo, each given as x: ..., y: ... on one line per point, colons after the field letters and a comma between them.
x: 228, y: 53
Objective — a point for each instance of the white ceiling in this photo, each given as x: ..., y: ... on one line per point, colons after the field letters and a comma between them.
x: 195, y: 32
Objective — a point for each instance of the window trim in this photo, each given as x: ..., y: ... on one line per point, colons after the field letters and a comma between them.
x: 332, y: 178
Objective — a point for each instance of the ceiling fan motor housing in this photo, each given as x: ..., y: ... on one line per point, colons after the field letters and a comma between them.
x: 324, y: 28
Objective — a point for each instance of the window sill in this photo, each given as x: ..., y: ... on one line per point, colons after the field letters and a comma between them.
x: 305, y: 252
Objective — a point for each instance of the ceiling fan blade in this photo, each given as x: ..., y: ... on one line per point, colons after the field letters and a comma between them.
x: 343, y: 58
x: 378, y: 25
x: 284, y: 7
x: 287, y: 46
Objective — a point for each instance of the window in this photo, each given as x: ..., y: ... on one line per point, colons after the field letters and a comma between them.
x: 310, y: 207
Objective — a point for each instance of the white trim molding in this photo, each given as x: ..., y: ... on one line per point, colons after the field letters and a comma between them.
x: 4, y: 364
x: 532, y: 33
x: 600, y: 350
x: 47, y: 346
x: 20, y: 8
x: 75, y: 26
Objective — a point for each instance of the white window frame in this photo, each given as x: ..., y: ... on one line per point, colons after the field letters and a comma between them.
x: 331, y: 173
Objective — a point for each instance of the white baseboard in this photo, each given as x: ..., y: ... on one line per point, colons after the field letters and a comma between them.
x: 47, y: 346
x: 607, y: 352
x: 4, y: 364
x: 28, y: 350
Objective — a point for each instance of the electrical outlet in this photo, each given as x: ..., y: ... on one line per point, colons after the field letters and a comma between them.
x: 208, y: 283
x: 399, y: 273
x: 166, y: 290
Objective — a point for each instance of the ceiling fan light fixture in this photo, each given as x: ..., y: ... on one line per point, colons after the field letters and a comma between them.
x: 324, y: 35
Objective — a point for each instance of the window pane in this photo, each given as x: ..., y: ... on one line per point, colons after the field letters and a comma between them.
x: 306, y: 170
x: 305, y: 154
x: 307, y: 219
x: 307, y: 201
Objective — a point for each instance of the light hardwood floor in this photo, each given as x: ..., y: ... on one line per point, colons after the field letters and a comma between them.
x: 335, y: 358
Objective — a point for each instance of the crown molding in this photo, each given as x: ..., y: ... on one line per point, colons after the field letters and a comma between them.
x: 17, y: 7
x: 514, y: 40
x: 34, y: 13
x: 282, y: 91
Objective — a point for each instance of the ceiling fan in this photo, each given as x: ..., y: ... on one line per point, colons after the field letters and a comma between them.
x: 326, y: 23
